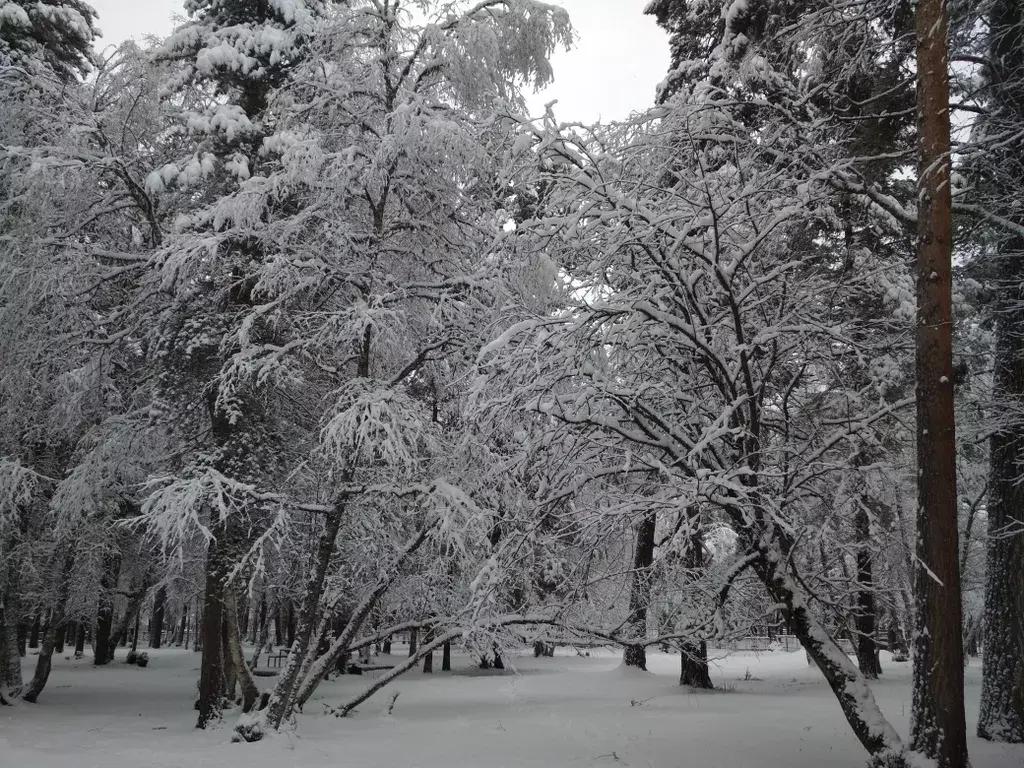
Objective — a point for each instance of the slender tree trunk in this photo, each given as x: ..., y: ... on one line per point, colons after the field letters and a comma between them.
x: 938, y: 729
x: 33, y: 637
x: 211, y: 675
x: 413, y: 641
x: 103, y: 650
x: 428, y: 658
x: 80, y: 640
x: 182, y: 639
x: 156, y: 632
x: 283, y: 696
x: 635, y: 654
x: 44, y: 664
x: 866, y: 617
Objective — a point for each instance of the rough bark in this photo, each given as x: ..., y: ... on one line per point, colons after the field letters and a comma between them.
x: 1002, y: 695
x: 937, y: 729
x: 1002, y: 692
x: 635, y: 654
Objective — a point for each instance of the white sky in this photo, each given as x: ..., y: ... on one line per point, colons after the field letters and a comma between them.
x: 619, y: 58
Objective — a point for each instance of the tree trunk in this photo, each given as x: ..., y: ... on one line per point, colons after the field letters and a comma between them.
x: 11, y: 681
x: 635, y: 654
x: 1002, y: 691
x: 1002, y: 694
x: 33, y: 637
x: 865, y: 619
x: 211, y: 676
x: 413, y: 641
x: 694, y: 666
x: 60, y: 635
x: 937, y: 729
x: 283, y: 696
x: 156, y: 631
x: 103, y: 649
x: 428, y: 658
x: 43, y: 664
x: 80, y: 640
x: 694, y: 656
x: 387, y: 645
x: 446, y: 656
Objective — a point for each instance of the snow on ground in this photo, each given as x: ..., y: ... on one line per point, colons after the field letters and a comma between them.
x: 771, y: 711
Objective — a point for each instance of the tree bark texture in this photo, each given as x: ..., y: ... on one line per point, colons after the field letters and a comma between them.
x: 1002, y: 693
x: 937, y: 729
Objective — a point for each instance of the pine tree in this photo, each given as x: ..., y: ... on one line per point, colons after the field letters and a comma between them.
x: 58, y: 33
x: 1000, y: 175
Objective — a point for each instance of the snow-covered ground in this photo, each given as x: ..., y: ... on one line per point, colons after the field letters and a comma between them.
x: 770, y: 711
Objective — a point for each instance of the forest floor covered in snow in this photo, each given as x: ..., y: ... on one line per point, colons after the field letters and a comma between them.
x: 770, y: 710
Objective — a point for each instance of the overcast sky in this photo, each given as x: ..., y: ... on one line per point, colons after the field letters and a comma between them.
x: 619, y: 58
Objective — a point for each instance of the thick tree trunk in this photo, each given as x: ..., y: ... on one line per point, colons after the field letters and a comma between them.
x: 60, y: 636
x: 694, y: 656
x: 1002, y: 692
x: 694, y: 666
x: 937, y: 729
x: 428, y: 658
x: 156, y: 631
x: 413, y: 641
x: 635, y: 654
x: 387, y: 645
x: 446, y: 656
